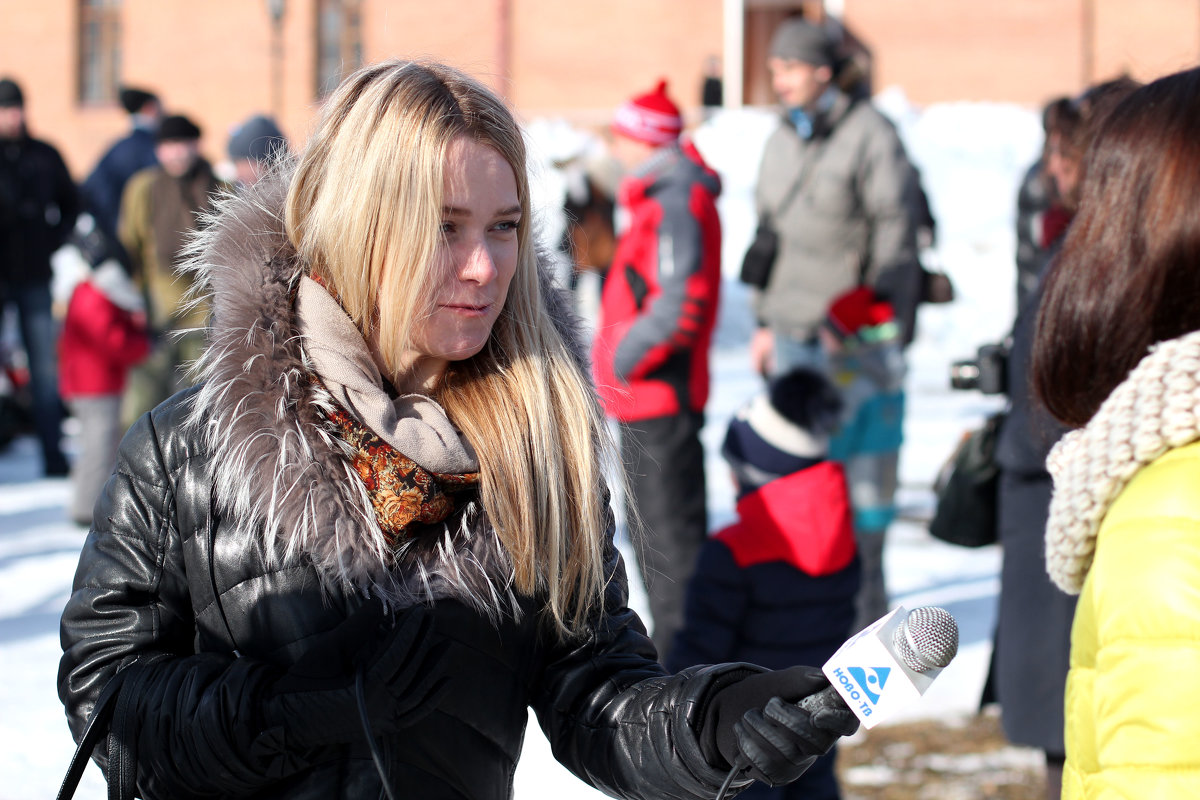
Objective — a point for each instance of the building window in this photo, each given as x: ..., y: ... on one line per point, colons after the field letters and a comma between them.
x: 339, y: 42
x: 99, y: 50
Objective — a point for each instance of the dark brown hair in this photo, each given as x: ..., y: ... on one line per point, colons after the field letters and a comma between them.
x: 1077, y: 121
x: 1129, y: 272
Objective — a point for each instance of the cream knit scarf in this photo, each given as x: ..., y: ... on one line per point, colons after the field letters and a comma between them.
x: 1155, y: 409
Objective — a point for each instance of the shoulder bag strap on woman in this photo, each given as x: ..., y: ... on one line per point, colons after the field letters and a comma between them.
x: 112, y: 714
x: 97, y: 726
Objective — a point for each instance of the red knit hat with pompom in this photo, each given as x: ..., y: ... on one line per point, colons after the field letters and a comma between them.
x: 651, y: 118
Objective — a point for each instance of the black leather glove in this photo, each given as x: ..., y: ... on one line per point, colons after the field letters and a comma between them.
x: 314, y: 703
x: 755, y: 723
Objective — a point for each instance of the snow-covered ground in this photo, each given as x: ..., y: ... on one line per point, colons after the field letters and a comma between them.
x: 971, y: 157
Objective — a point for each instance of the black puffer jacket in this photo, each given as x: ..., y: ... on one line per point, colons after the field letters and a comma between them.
x: 214, y: 546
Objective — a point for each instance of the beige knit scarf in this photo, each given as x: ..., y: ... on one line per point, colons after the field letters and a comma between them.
x: 1155, y: 409
x: 414, y: 424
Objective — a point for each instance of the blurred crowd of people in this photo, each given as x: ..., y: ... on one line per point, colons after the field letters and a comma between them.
x: 107, y: 324
x: 814, y: 455
x: 801, y: 568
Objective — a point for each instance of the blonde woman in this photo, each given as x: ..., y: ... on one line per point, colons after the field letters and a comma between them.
x: 349, y: 561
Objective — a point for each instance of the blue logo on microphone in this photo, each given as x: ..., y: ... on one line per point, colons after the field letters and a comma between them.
x: 870, y: 680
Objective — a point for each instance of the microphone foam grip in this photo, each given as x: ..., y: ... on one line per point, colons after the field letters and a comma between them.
x: 826, y: 698
x: 927, y: 639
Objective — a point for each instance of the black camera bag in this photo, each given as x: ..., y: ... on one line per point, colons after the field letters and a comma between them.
x: 966, y: 490
x: 760, y: 256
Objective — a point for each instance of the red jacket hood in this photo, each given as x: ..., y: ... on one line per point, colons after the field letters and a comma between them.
x: 804, y: 519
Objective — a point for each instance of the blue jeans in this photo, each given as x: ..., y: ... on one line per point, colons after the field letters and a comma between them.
x: 39, y: 337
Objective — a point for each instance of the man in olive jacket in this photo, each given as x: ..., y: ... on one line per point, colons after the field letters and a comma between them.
x: 160, y: 207
x: 840, y: 191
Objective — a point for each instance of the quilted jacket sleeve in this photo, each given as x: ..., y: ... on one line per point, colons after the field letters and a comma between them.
x: 616, y: 719
x: 1132, y: 728
x: 198, y: 713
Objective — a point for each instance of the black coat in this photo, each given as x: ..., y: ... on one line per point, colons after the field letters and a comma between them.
x: 38, y: 206
x: 1033, y: 629
x: 188, y: 560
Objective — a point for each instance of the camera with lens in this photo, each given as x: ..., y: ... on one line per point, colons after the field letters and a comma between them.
x: 986, y: 373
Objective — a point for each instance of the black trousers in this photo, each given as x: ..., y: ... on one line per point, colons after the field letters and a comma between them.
x: 665, y: 460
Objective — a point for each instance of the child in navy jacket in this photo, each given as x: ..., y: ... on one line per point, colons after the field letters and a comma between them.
x: 777, y: 587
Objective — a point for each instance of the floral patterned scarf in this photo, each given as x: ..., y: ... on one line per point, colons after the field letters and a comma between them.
x: 403, y: 494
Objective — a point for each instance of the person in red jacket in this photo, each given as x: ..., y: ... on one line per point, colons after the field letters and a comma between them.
x: 103, y: 336
x: 657, y: 315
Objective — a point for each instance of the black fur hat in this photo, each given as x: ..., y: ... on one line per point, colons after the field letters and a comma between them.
x: 177, y: 128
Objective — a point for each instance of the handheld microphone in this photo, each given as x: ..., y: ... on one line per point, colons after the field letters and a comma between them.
x: 882, y: 668
x: 888, y: 664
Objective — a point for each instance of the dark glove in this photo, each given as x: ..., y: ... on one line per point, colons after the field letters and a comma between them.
x: 314, y: 703
x: 756, y: 723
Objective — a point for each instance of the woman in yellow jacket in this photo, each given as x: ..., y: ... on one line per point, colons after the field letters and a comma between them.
x: 1117, y: 356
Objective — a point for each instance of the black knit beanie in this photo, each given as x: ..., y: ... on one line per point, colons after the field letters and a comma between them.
x: 10, y: 94
x: 177, y: 128
x: 782, y: 430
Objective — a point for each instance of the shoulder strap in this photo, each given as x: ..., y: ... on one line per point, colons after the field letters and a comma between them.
x: 122, y: 739
x: 114, y: 712
x: 801, y: 179
x: 96, y: 726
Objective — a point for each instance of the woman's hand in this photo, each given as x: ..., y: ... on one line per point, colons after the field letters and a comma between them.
x: 755, y: 724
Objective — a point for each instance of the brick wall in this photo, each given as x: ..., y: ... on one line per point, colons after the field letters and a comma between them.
x: 571, y: 58
x: 1023, y: 51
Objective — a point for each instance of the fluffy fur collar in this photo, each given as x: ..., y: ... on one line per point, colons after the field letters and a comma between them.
x: 1155, y: 409
x: 276, y: 468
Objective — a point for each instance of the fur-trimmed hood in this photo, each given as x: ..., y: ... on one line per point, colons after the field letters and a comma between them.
x: 277, y: 469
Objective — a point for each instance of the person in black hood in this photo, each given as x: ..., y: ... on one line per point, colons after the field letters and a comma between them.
x: 38, y: 206
x: 377, y: 533
x: 1033, y: 621
x: 134, y: 151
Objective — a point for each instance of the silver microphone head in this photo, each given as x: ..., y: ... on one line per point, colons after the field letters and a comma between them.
x: 927, y: 638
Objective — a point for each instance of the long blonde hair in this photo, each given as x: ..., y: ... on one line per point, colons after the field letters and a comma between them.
x: 364, y: 211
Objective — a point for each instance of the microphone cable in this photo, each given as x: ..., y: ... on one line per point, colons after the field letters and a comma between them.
x: 360, y: 696
x: 738, y: 768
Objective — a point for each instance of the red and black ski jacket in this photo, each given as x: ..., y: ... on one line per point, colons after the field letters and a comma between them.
x: 659, y: 305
